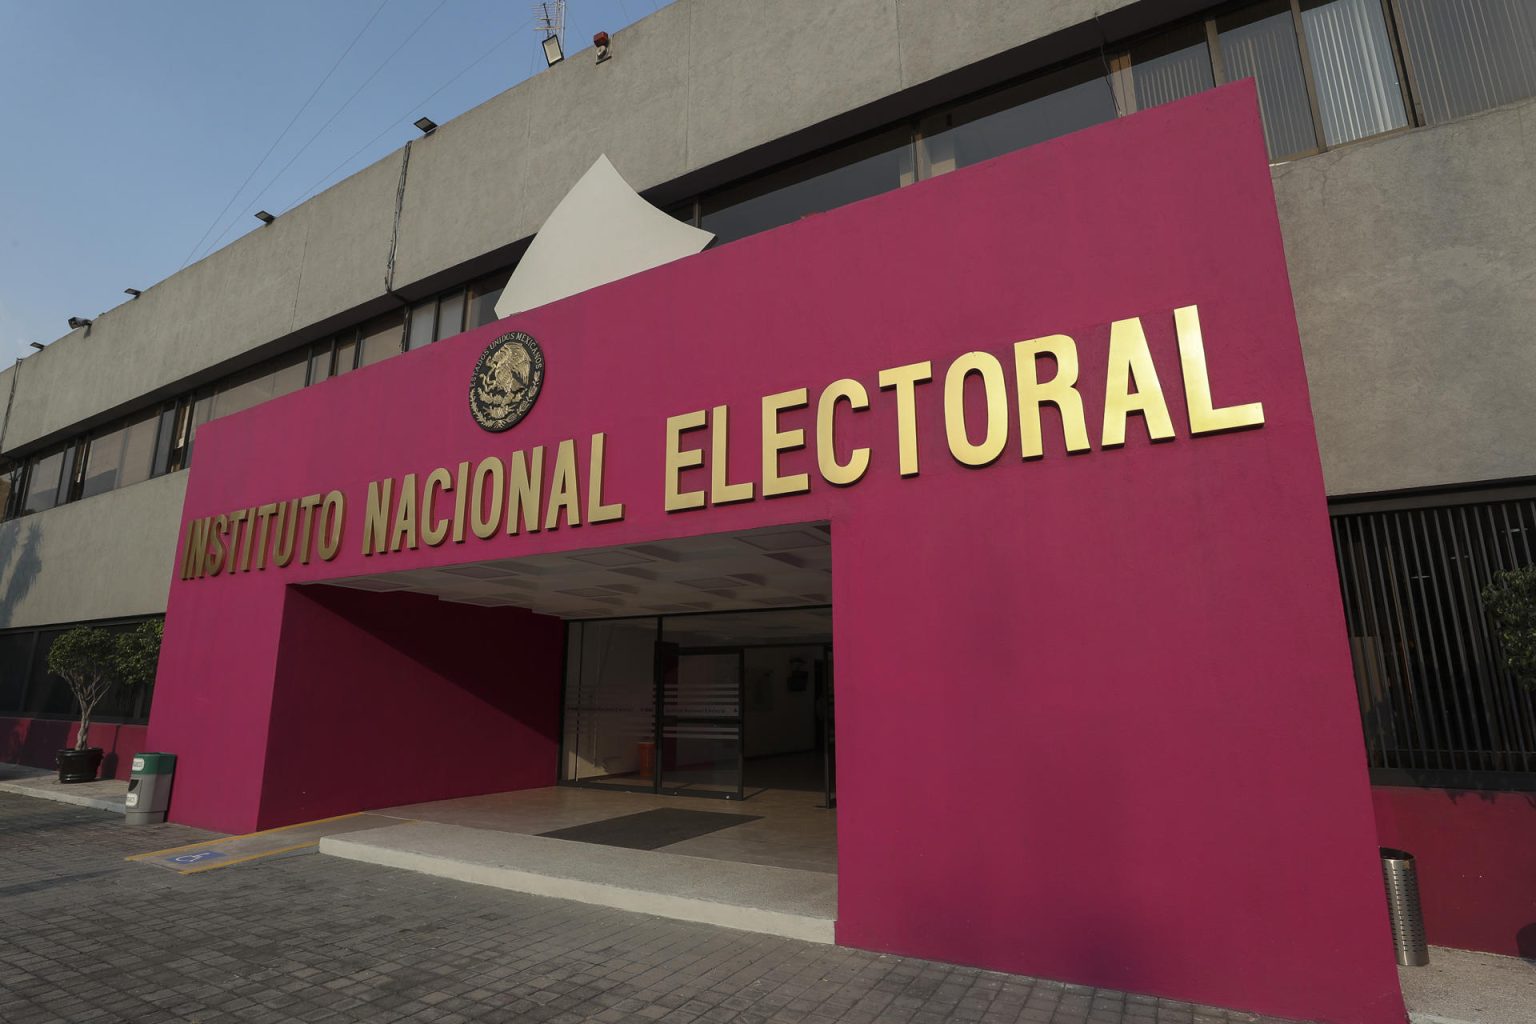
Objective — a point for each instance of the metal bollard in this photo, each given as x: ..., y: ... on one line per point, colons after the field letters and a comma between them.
x: 1403, y: 904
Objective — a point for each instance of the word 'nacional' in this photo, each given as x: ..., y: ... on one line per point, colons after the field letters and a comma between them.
x: 497, y: 496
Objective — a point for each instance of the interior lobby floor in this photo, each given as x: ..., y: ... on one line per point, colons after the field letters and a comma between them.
x: 792, y: 830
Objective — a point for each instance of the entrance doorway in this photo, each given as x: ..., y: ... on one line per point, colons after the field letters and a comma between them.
x: 723, y: 705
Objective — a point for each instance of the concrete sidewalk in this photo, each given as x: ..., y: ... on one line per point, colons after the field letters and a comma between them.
x: 91, y: 936
x: 1463, y: 987
x: 750, y: 897
x: 103, y: 794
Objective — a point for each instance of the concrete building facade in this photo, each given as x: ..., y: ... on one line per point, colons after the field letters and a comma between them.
x: 1401, y: 136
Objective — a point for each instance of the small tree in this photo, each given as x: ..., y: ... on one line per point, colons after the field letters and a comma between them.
x: 1511, y: 603
x: 138, y: 653
x: 91, y: 661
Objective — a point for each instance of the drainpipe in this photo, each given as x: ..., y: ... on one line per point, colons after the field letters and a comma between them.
x: 394, y: 234
x: 5, y: 422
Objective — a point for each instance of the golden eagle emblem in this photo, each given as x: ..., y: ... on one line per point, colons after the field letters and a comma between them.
x: 506, y: 381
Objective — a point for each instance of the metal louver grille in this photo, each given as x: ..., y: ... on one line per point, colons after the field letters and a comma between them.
x: 1436, y: 704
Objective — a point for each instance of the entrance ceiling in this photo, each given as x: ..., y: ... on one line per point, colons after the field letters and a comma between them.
x: 775, y: 567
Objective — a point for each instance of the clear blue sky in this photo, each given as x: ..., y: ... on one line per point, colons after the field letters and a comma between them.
x: 129, y: 126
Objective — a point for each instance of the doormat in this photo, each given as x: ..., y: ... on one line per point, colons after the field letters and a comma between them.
x: 651, y: 830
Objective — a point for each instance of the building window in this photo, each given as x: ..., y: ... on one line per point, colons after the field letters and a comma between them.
x: 28, y: 689
x: 422, y: 324
x: 1437, y: 706
x: 1042, y: 108
x: 847, y: 174
x: 49, y: 481
x: 320, y: 356
x: 121, y: 457
x: 10, y: 480
x: 1259, y: 42
x: 1165, y: 68
x: 1469, y: 55
x: 165, y: 440
x: 484, y: 294
x: 382, y: 338
x: 346, y: 353
x: 1359, y: 92
x: 15, y: 666
x: 450, y: 315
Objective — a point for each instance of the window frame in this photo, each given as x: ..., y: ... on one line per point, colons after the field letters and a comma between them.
x: 143, y: 698
x: 1119, y: 59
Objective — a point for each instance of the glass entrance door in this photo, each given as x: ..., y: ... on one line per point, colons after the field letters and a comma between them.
x: 700, y: 723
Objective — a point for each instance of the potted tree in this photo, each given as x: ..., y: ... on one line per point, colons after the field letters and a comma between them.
x: 1511, y: 603
x: 92, y: 661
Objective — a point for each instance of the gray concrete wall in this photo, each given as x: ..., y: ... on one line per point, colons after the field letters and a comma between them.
x: 325, y: 256
x: 8, y: 380
x: 694, y: 84
x: 100, y: 558
x: 1413, y: 262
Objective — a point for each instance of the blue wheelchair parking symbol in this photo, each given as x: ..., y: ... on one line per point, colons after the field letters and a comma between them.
x: 197, y: 858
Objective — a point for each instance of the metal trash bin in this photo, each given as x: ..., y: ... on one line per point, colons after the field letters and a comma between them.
x: 149, y: 788
x: 1403, y: 904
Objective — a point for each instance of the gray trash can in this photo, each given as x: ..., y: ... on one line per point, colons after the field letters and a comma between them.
x: 1403, y: 904
x: 149, y: 788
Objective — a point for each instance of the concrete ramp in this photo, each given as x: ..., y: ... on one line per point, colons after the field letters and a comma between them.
x: 773, y: 901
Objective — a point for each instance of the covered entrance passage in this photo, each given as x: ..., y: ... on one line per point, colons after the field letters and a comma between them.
x: 698, y: 666
x: 691, y: 667
x: 715, y: 704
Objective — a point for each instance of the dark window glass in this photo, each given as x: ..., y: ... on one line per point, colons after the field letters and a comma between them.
x: 487, y: 292
x: 15, y: 649
x: 10, y: 479
x: 450, y: 315
x: 423, y: 317
x: 845, y: 175
x: 44, y: 483
x: 320, y: 361
x: 165, y: 441
x: 1053, y: 104
x: 1353, y: 70
x: 1438, y: 704
x: 381, y: 338
x: 47, y: 694
x: 1259, y: 42
x: 1170, y: 67
x: 120, y: 457
x: 1470, y: 55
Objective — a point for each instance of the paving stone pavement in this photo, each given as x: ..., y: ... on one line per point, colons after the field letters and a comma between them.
x: 87, y: 937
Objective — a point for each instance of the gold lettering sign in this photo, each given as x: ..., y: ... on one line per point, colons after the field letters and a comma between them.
x: 506, y: 496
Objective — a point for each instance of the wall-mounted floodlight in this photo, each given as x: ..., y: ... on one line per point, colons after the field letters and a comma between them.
x: 132, y: 292
x: 604, y: 46
x: 265, y: 217
x: 427, y: 125
x: 36, y: 344
x: 77, y: 322
x: 552, y: 50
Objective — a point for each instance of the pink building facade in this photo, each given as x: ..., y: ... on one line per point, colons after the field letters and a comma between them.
x: 1096, y: 718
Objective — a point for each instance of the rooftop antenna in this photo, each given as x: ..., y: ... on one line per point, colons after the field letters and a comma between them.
x: 549, y: 22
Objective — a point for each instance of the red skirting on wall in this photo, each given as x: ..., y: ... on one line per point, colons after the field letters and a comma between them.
x: 35, y: 741
x: 1476, y: 861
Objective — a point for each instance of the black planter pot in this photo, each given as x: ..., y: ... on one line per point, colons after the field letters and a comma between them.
x: 79, y: 765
